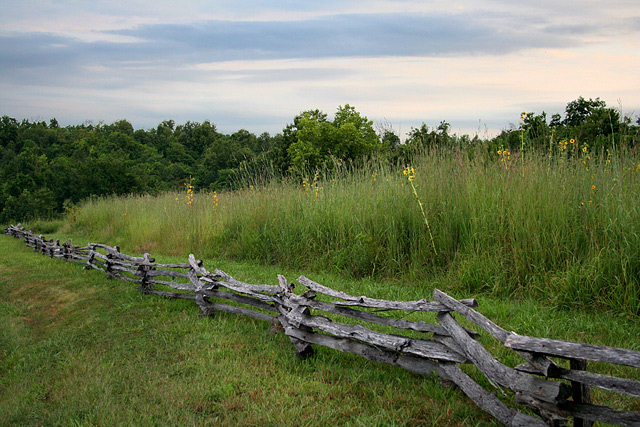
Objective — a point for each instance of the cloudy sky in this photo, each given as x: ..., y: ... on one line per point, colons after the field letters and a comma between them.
x: 255, y: 64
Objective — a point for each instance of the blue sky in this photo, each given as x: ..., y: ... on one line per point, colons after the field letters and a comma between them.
x: 256, y: 64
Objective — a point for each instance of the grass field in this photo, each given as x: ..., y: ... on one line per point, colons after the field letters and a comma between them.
x: 78, y: 349
x: 549, y: 243
x: 563, y: 226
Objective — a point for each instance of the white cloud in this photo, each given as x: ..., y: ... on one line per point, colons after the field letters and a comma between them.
x: 250, y: 64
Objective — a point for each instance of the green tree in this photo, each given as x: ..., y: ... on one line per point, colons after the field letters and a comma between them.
x: 422, y: 138
x: 350, y: 137
x: 162, y: 136
x: 390, y: 140
x: 279, y: 154
x: 591, y: 118
x: 356, y: 137
x: 537, y: 131
x: 226, y: 153
x: 9, y: 133
x: 197, y: 137
x: 313, y: 140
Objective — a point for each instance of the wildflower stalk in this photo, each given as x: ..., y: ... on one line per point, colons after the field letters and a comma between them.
x: 410, y: 172
x: 523, y: 134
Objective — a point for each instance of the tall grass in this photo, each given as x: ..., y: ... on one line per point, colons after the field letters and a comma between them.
x: 564, y: 226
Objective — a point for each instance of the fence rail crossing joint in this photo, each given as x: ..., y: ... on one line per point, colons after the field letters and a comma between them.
x: 553, y: 393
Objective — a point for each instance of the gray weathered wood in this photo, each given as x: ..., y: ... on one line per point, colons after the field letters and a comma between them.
x: 146, y: 290
x: 179, y: 286
x: 303, y: 348
x: 201, y: 299
x: 184, y: 266
x: 118, y: 262
x: 581, y: 392
x: 255, y: 291
x: 114, y: 251
x: 119, y: 268
x: 618, y: 385
x: 366, y: 302
x: 542, y: 364
x: 515, y: 381
x: 272, y: 289
x: 168, y: 273
x: 243, y: 299
x: 414, y: 364
x: 472, y: 315
x: 451, y: 343
x: 546, y: 366
x: 574, y: 350
x: 205, y: 305
x: 419, y: 326
x: 250, y: 292
x: 488, y: 402
x: 596, y: 413
x: 243, y: 312
x: 416, y: 347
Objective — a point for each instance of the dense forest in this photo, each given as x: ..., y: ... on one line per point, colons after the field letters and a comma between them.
x: 46, y: 169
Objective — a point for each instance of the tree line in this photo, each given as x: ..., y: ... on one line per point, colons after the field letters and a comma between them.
x: 46, y: 168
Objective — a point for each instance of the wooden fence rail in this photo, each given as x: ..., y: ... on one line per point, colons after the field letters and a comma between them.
x: 327, y: 317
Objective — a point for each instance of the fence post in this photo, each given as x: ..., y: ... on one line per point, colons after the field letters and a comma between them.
x: 92, y: 254
x: 303, y: 348
x: 201, y: 299
x: 581, y: 393
x: 144, y: 269
x: 66, y: 250
x: 108, y: 264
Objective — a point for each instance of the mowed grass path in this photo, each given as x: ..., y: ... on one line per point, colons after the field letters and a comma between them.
x: 78, y: 349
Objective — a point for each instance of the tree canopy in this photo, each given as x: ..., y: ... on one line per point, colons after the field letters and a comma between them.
x: 45, y: 167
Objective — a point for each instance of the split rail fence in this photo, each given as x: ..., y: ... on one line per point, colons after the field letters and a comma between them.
x: 552, y: 392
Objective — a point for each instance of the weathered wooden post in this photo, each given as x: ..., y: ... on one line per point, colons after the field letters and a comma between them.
x: 36, y: 242
x: 303, y: 349
x: 56, y: 249
x: 66, y: 250
x: 201, y: 299
x: 108, y: 263
x: 143, y: 270
x: 581, y: 392
x: 91, y: 256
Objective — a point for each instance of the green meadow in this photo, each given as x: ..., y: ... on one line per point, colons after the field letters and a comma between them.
x: 547, y: 240
x: 563, y: 228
